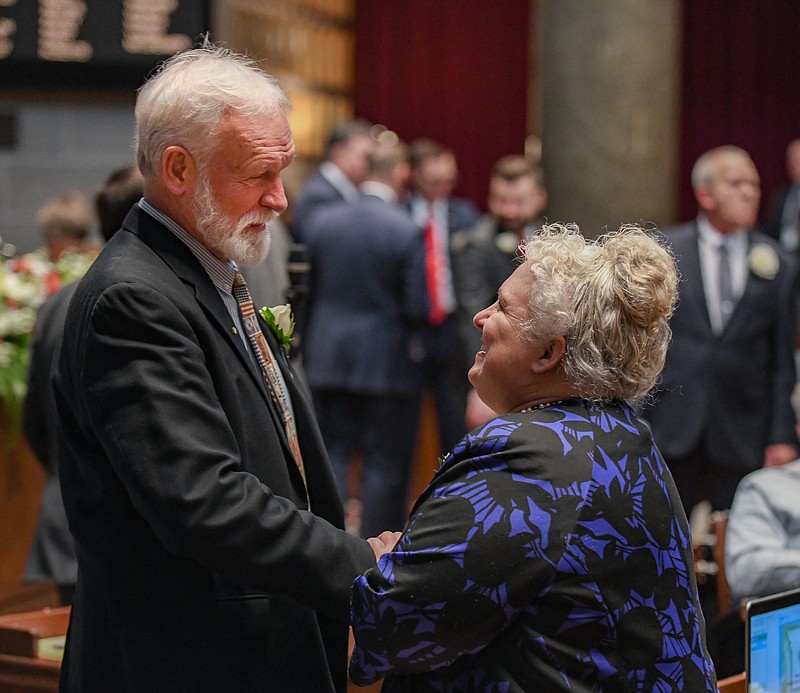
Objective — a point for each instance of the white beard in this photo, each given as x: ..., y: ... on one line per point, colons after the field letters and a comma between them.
x: 226, y: 236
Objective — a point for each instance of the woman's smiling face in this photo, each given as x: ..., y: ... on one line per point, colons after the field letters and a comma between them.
x: 502, y: 372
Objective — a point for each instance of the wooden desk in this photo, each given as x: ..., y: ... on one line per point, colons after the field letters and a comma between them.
x: 732, y: 684
x: 28, y: 675
x: 22, y: 670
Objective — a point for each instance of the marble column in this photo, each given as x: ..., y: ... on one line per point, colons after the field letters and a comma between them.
x: 606, y: 106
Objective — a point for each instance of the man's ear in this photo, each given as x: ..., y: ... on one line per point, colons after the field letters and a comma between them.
x: 178, y: 169
x: 550, y: 355
x: 704, y: 198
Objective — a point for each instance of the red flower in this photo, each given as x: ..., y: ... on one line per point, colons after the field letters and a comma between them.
x: 52, y: 283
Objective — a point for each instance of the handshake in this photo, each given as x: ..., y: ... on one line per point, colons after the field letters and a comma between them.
x: 383, y: 543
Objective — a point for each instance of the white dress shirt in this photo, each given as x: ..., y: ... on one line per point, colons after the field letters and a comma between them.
x: 738, y: 244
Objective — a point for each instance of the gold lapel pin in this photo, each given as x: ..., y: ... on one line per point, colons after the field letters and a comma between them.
x: 234, y: 330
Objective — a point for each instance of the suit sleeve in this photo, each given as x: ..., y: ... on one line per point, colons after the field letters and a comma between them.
x: 784, y: 373
x: 415, y: 294
x: 38, y: 407
x: 474, y: 288
x: 154, y: 407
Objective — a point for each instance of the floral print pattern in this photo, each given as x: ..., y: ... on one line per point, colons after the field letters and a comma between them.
x: 549, y: 553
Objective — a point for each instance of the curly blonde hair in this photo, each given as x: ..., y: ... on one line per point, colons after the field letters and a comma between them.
x: 611, y: 298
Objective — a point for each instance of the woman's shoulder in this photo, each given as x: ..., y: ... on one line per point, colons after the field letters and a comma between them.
x: 539, y: 441
x: 574, y: 419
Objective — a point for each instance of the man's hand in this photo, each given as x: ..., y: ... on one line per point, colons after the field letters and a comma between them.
x: 383, y: 543
x: 778, y: 454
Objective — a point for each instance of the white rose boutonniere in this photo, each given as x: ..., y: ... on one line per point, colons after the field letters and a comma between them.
x: 507, y: 242
x: 763, y: 261
x: 281, y: 321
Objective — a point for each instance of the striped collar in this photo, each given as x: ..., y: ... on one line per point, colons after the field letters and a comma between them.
x: 221, y: 272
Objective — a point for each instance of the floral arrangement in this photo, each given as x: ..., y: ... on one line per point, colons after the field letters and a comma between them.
x: 26, y: 282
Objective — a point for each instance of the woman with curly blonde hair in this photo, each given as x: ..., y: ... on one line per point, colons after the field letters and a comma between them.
x: 550, y: 551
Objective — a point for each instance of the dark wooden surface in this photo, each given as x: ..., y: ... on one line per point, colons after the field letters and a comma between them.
x: 21, y: 671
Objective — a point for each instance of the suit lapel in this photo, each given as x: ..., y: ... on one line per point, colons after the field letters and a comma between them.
x: 692, y: 288
x: 181, y: 260
x: 754, y: 296
x: 318, y: 476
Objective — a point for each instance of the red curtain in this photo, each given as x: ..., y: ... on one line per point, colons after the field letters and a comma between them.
x: 741, y: 85
x: 456, y: 72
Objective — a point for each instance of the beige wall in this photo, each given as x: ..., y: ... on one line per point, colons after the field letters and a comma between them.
x: 606, y: 73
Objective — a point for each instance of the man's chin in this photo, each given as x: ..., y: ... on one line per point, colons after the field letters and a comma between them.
x: 250, y: 249
x: 251, y: 258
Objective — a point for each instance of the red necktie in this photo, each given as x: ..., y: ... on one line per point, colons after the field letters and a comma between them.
x: 433, y: 270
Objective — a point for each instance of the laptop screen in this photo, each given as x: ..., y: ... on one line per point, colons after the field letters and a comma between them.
x: 772, y: 662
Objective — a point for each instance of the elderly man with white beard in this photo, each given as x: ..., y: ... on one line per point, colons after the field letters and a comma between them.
x: 206, y: 519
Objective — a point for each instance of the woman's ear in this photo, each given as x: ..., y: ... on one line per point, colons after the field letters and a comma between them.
x: 550, y: 355
x: 178, y: 169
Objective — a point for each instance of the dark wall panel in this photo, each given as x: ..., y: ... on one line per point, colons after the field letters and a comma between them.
x: 740, y: 85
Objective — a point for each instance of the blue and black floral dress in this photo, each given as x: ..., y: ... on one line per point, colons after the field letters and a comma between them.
x: 549, y: 553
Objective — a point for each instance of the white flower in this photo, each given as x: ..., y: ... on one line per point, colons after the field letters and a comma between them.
x: 281, y: 321
x: 25, y: 283
x: 6, y: 353
x: 17, y: 322
x: 763, y: 261
x: 507, y: 242
x: 23, y: 290
x: 283, y: 317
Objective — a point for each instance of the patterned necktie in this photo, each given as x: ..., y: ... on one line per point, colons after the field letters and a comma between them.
x: 268, y: 367
x: 725, y: 285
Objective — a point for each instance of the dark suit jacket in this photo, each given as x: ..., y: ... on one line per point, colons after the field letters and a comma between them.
x: 199, y: 567
x: 734, y: 389
x: 52, y: 557
x: 316, y: 192
x: 485, y: 256
x: 774, y: 221
x: 366, y: 296
x: 461, y: 214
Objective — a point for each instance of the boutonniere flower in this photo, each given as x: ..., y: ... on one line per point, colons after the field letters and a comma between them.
x: 507, y: 242
x: 281, y: 321
x: 763, y: 261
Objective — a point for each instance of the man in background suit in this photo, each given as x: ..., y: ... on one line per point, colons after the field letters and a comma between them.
x: 208, y: 529
x: 724, y: 406
x: 762, y: 542
x: 783, y: 223
x: 487, y: 253
x: 367, y: 297
x: 440, y: 215
x: 52, y: 557
x: 342, y: 170
x: 66, y: 223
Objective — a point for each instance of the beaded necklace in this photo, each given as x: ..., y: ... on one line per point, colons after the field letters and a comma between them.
x: 543, y: 405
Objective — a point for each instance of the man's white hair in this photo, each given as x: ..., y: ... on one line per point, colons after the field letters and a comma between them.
x: 183, y: 103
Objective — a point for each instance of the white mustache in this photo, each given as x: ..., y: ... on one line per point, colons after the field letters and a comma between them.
x: 257, y: 218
